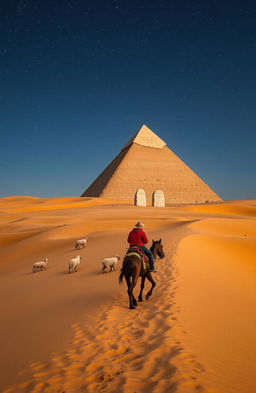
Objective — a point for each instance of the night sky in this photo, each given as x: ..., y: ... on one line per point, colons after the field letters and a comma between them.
x: 79, y: 78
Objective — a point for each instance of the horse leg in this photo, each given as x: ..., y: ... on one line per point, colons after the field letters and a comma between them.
x: 141, y: 288
x: 131, y: 286
x: 135, y: 277
x: 150, y: 278
x: 134, y: 301
x: 128, y: 282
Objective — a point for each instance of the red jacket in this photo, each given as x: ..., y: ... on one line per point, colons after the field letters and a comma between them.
x: 137, y: 237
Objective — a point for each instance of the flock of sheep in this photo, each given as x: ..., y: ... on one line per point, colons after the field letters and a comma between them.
x: 108, y: 264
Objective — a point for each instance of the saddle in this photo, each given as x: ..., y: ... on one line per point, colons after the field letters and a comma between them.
x: 135, y: 250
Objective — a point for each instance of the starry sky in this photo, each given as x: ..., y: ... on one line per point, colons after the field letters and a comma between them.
x: 79, y: 78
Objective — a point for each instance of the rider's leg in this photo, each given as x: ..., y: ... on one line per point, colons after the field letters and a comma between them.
x: 149, y: 255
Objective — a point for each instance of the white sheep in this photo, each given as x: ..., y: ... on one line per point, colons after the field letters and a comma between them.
x: 81, y: 243
x: 73, y: 263
x: 41, y: 265
x: 109, y: 264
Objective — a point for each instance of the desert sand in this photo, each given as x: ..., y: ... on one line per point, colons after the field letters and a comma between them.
x: 73, y: 333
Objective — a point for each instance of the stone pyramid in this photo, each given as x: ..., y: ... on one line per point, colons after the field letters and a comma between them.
x: 147, y: 163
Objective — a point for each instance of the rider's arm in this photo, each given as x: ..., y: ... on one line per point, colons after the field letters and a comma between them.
x: 144, y: 237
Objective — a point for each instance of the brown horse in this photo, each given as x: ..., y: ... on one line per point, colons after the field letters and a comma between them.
x: 133, y: 268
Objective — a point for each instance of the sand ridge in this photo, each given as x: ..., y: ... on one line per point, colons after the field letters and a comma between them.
x: 232, y: 209
x: 219, y: 257
x: 205, y: 295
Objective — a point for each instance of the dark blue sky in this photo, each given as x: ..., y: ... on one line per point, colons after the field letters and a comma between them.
x: 78, y: 78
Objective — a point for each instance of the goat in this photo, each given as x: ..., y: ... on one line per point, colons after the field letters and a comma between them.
x: 109, y: 264
x: 39, y: 265
x: 73, y: 263
x: 81, y: 243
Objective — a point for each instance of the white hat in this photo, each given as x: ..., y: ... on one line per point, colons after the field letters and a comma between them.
x: 139, y: 224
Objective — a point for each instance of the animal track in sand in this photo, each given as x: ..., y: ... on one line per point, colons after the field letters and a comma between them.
x: 125, y: 352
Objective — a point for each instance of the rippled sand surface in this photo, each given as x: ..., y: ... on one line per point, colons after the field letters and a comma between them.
x: 74, y: 333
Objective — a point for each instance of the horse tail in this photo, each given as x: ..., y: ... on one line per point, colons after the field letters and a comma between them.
x: 126, y: 270
x: 121, y: 276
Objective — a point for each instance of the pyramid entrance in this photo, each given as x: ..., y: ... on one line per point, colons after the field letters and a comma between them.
x: 140, y: 198
x: 158, y: 198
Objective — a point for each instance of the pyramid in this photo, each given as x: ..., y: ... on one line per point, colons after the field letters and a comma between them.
x: 147, y: 163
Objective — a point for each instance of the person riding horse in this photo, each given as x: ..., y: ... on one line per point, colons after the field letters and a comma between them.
x: 137, y: 237
x: 133, y: 268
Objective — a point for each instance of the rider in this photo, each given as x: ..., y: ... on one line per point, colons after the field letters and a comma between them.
x: 137, y: 237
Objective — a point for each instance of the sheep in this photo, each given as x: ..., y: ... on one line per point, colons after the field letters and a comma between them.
x: 109, y: 264
x: 39, y: 265
x: 81, y: 243
x: 73, y: 263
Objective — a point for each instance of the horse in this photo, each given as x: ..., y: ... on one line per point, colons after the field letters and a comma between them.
x: 133, y: 268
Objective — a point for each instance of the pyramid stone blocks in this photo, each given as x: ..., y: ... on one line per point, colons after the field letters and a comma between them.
x: 147, y: 163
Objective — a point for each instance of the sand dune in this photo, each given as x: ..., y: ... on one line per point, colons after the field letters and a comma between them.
x: 31, y: 204
x: 236, y: 208
x: 242, y: 228
x: 219, y: 316
x: 74, y: 333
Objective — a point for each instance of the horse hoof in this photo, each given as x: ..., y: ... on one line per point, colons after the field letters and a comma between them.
x: 140, y: 300
x: 132, y: 308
